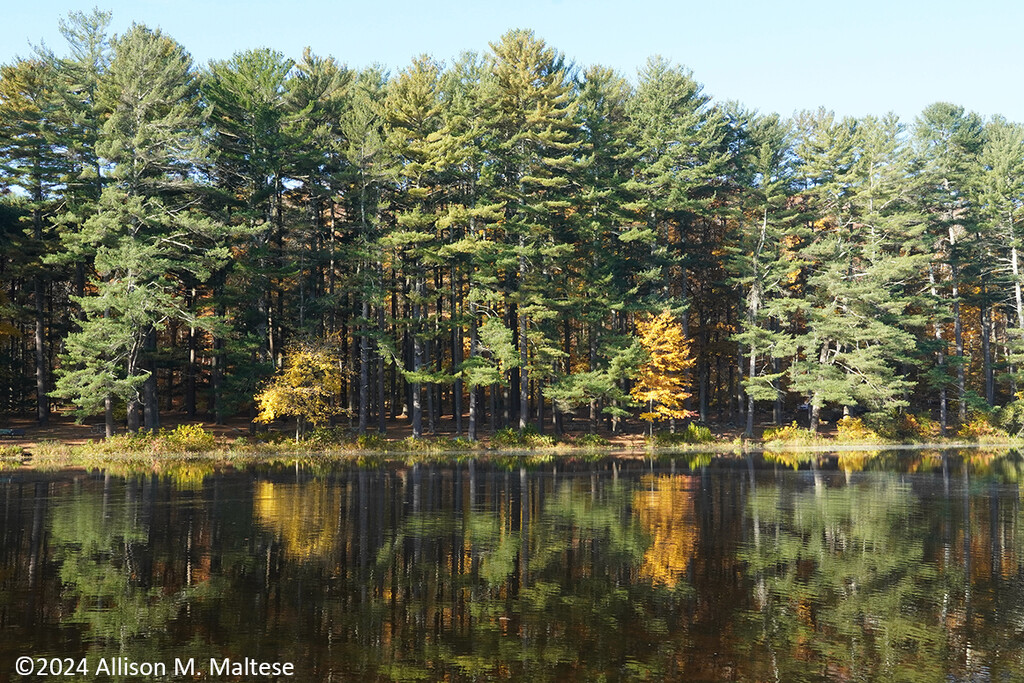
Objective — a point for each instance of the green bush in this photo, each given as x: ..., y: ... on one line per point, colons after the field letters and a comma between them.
x: 902, y: 427
x: 325, y: 437
x: 371, y: 442
x: 1011, y: 417
x: 688, y: 435
x: 11, y: 452
x: 592, y: 441
x: 527, y: 438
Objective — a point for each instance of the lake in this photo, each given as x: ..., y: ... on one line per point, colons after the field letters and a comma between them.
x: 901, y: 566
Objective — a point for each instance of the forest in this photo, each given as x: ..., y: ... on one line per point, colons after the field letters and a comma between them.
x: 500, y: 241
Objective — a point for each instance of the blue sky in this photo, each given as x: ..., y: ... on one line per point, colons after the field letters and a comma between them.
x: 857, y: 58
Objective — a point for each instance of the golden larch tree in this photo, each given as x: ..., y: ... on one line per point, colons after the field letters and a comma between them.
x: 662, y: 384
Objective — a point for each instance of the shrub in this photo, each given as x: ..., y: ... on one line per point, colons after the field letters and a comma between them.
x: 11, y: 452
x: 903, y: 426
x: 186, y: 438
x: 323, y: 437
x: 507, y: 438
x: 1011, y: 417
x: 371, y: 442
x: 854, y: 429
x: 791, y: 433
x: 527, y: 438
x: 50, y: 449
x: 688, y: 435
x: 980, y: 427
x: 592, y: 441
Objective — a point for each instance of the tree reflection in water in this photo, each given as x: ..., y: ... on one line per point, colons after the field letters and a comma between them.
x: 723, y: 570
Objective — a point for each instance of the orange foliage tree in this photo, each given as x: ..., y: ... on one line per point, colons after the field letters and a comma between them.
x: 662, y: 384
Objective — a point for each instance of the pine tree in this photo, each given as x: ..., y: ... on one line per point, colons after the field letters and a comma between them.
x: 1000, y: 198
x: 597, y: 280
x: 947, y: 141
x: 32, y: 162
x: 248, y: 112
x: 145, y: 233
x: 369, y: 170
x: 861, y: 255
x: 761, y: 260
x: 533, y: 142
x: 680, y: 158
x: 474, y: 248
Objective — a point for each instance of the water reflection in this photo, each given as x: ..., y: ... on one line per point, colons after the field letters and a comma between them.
x: 887, y: 566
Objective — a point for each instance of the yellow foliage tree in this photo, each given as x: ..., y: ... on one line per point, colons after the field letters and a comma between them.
x: 662, y: 385
x: 305, y: 389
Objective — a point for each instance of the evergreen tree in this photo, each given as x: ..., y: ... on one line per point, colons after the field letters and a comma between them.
x: 144, y: 232
x: 760, y: 260
x: 248, y: 111
x: 1000, y: 199
x: 533, y: 144
x: 30, y: 161
x: 861, y: 254
x: 680, y: 157
x: 948, y: 140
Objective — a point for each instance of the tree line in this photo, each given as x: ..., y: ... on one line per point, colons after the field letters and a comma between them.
x: 478, y: 241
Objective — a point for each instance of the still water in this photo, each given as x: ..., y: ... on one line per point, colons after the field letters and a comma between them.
x: 886, y: 566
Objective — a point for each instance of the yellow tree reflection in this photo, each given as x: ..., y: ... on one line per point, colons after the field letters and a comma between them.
x: 664, y: 506
x: 303, y: 516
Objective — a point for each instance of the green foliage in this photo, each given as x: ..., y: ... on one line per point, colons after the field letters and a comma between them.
x: 1011, y: 417
x: 327, y: 437
x: 526, y: 438
x: 591, y: 441
x: 688, y: 435
x: 185, y: 438
x: 903, y: 427
x: 371, y: 442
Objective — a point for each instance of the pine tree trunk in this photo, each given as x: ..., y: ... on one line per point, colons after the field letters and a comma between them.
x: 190, y: 369
x: 151, y: 405
x: 108, y: 415
x: 1017, y: 295
x: 417, y: 365
x: 940, y: 359
x: 958, y: 337
x: 456, y: 355
x: 474, y: 391
x: 752, y: 372
x: 382, y: 416
x: 986, y: 348
x: 364, y: 367
x: 42, y: 393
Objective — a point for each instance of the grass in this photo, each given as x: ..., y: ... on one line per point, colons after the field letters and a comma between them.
x: 188, y: 450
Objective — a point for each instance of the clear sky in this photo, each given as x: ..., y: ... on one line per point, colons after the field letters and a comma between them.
x: 863, y: 57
